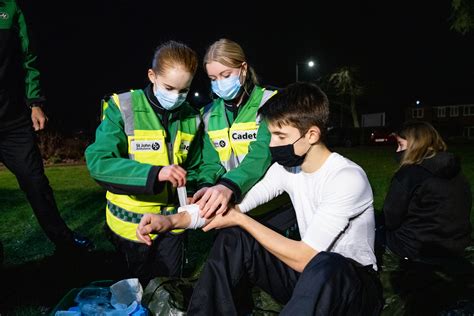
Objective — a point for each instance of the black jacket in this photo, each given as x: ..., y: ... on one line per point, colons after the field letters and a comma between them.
x: 427, y: 209
x: 19, y: 76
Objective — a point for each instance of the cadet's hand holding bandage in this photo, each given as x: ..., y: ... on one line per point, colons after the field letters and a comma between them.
x: 174, y: 174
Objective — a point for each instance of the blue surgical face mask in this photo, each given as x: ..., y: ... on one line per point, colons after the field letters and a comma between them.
x: 227, y: 88
x: 170, y: 100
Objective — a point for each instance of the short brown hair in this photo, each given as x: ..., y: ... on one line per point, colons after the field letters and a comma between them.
x: 423, y: 142
x: 301, y: 104
x: 171, y: 54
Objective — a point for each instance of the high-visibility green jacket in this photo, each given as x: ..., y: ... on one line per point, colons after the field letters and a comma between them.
x: 131, y: 146
x: 236, y: 147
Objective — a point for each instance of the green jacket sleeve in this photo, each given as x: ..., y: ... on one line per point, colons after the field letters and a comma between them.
x: 253, y: 167
x: 32, y: 74
x: 211, y: 168
x: 108, y: 162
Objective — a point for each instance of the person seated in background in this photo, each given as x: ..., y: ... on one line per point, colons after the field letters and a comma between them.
x: 426, y: 215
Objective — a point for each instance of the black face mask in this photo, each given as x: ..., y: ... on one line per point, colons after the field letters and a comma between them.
x: 285, y: 155
x: 398, y: 156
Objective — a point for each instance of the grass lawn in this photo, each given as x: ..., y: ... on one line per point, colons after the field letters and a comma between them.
x: 34, y: 280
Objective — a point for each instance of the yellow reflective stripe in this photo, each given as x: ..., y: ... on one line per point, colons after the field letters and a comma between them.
x: 150, y: 133
x: 138, y: 204
x: 116, y: 99
x: 242, y: 148
x: 123, y: 229
x: 176, y: 146
x: 244, y: 125
x: 241, y: 135
x: 181, y: 146
x: 105, y: 105
x: 178, y: 231
x: 126, y: 229
x: 149, y: 147
x: 236, y: 140
x: 220, y: 140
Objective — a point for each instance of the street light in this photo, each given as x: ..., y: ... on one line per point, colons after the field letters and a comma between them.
x: 196, y: 94
x: 310, y: 64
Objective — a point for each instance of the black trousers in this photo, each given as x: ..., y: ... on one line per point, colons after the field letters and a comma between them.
x: 163, y: 258
x: 282, y: 220
x: 19, y: 152
x: 425, y: 286
x: 330, y: 284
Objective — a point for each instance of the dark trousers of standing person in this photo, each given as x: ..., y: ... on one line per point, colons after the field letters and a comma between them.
x: 19, y: 152
x: 164, y: 258
x: 330, y: 284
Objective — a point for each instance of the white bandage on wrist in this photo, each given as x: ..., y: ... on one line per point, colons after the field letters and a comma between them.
x: 193, y: 211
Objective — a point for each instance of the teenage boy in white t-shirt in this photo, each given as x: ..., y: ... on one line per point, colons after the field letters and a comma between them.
x: 331, y: 271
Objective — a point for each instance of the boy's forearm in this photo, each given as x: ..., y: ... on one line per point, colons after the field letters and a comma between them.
x: 295, y: 254
x: 180, y: 220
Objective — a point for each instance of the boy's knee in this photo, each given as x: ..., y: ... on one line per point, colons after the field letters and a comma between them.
x: 231, y: 235
x: 329, y: 265
x: 232, y: 242
x: 330, y: 259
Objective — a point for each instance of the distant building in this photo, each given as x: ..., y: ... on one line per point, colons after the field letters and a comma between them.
x: 449, y: 120
x: 373, y: 120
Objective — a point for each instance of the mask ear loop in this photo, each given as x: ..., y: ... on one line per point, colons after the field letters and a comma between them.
x: 299, y: 138
x: 246, y: 78
x: 304, y: 134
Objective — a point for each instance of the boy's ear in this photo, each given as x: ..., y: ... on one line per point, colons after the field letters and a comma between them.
x: 314, y: 134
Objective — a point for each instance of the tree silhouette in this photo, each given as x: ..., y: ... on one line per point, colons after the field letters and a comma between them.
x: 346, y: 84
x: 462, y: 16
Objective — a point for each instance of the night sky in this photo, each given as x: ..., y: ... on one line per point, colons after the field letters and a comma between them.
x: 405, y: 51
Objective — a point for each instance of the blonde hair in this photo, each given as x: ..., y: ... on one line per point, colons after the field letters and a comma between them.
x: 423, y: 142
x: 230, y: 54
x: 171, y: 54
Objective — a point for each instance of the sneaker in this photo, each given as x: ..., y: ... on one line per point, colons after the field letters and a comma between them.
x: 76, y: 245
x: 82, y: 243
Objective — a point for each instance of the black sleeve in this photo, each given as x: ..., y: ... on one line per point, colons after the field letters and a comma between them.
x: 395, y: 205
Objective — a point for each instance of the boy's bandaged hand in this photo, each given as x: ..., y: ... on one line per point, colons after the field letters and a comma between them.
x: 196, y: 220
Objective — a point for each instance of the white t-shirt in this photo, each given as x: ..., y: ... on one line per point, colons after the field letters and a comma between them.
x: 324, y: 202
